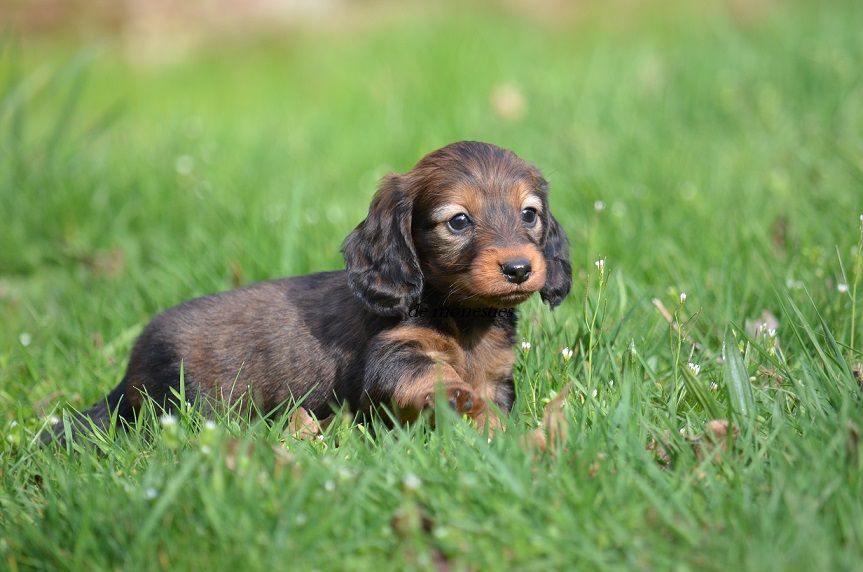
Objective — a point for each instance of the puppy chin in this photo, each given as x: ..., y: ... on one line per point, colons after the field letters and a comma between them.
x: 513, y: 299
x: 508, y: 295
x: 498, y: 300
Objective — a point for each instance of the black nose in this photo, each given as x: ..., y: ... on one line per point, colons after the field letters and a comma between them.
x: 516, y: 270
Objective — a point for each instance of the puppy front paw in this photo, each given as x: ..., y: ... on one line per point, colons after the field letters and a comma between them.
x: 460, y: 398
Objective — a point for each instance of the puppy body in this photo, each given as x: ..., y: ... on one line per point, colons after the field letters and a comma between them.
x: 433, y: 274
x: 294, y: 338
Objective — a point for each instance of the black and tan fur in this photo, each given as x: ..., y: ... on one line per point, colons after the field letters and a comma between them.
x: 355, y: 336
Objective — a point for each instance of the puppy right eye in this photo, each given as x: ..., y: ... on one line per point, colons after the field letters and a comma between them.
x: 459, y: 222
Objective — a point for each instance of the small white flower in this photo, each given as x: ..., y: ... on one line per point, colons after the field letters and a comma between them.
x: 713, y: 386
x: 25, y: 339
x: 683, y: 297
x: 594, y: 393
x: 566, y: 353
x: 525, y: 345
x: 843, y: 288
x: 599, y: 206
x: 610, y: 383
x: 411, y: 482
x: 861, y: 219
x: 600, y: 264
x: 151, y: 493
x: 168, y: 420
x: 440, y: 532
x: 53, y: 419
x: 329, y: 486
x: 771, y: 332
x: 210, y: 425
x: 694, y: 368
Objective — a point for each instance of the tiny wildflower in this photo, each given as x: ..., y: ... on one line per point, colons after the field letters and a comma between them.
x: 683, y: 297
x: 411, y: 482
x: 599, y: 206
x: 440, y: 532
x: 771, y: 332
x: 842, y: 288
x: 566, y: 353
x: 25, y: 339
x: 151, y: 493
x: 329, y: 486
x: 171, y: 430
x: 525, y: 345
x: 610, y: 383
x: 600, y: 265
x: 713, y: 386
x: 694, y: 368
x: 594, y: 393
x: 210, y: 425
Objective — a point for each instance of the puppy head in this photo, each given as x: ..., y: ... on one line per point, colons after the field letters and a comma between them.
x: 471, y: 221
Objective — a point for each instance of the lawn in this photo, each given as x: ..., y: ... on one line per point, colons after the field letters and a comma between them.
x: 712, y: 160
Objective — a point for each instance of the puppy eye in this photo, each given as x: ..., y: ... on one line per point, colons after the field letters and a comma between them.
x: 528, y: 216
x: 459, y: 222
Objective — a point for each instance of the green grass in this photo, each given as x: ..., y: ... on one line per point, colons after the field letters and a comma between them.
x: 729, y: 157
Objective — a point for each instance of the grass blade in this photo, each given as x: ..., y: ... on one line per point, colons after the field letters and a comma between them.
x: 737, y: 380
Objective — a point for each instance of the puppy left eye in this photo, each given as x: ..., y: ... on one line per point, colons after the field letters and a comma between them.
x: 528, y: 216
x: 459, y: 223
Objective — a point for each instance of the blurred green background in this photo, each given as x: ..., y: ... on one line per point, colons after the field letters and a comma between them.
x: 155, y: 151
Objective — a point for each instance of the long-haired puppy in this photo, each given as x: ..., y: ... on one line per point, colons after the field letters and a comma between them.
x: 426, y: 304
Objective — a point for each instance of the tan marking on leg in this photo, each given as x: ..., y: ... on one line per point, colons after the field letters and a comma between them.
x: 412, y: 394
x: 438, y: 347
x: 489, y: 362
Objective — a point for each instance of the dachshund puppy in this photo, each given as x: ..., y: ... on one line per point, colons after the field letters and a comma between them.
x: 426, y: 302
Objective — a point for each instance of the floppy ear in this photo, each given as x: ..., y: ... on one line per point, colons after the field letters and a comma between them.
x: 558, y: 278
x: 383, y: 269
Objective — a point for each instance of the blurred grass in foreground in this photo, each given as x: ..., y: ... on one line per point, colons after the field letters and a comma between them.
x: 689, y: 152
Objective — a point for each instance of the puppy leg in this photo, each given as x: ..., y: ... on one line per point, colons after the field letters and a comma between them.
x: 418, y: 391
x: 406, y: 366
x: 504, y: 398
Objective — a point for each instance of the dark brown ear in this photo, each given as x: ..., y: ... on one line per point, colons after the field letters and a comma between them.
x: 558, y: 278
x: 383, y: 269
